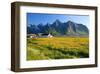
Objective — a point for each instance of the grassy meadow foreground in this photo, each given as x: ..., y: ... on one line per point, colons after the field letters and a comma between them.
x: 57, y: 48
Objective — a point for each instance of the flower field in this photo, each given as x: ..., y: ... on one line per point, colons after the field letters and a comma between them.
x: 57, y: 48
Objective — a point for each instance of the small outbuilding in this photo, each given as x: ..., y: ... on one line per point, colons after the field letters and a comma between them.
x: 45, y: 36
x: 49, y: 35
x: 31, y: 36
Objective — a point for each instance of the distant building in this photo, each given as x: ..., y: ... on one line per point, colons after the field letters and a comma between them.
x: 31, y: 36
x: 45, y: 36
x: 40, y: 36
x: 49, y: 35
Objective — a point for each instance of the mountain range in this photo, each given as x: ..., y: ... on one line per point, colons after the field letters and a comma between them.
x: 57, y: 28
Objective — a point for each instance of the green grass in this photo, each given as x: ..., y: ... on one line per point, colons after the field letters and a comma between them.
x: 57, y: 48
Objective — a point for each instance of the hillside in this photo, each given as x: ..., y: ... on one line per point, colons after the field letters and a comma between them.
x: 57, y: 28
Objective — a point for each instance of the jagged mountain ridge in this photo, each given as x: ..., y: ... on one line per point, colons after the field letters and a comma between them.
x: 58, y: 28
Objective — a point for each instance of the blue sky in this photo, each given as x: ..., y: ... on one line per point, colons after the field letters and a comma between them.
x: 37, y: 18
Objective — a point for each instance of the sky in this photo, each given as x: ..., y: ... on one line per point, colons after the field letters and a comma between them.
x: 44, y: 18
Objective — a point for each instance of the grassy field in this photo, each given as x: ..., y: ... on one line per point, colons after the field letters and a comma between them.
x: 57, y: 48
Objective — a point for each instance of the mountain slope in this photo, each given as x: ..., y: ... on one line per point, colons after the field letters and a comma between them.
x: 69, y: 28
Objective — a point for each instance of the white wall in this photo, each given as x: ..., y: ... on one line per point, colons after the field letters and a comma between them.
x: 5, y: 28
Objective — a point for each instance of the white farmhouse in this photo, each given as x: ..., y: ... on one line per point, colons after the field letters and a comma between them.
x: 49, y: 35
